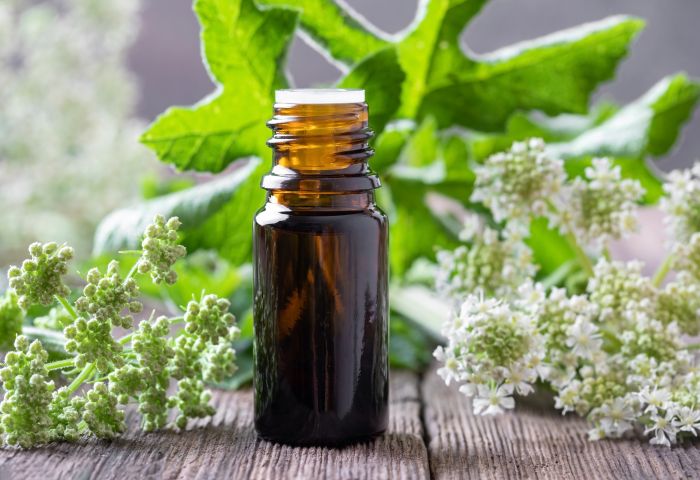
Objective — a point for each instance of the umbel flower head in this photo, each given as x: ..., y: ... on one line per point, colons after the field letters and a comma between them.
x: 102, y: 306
x: 682, y: 202
x: 604, y: 205
x: 687, y: 257
x: 492, y: 263
x: 161, y: 250
x: 492, y: 351
x: 520, y: 182
x: 101, y: 413
x: 617, y: 288
x: 40, y: 278
x: 148, y: 380
x: 209, y: 319
x: 568, y: 327
x: 107, y: 297
x: 614, y: 355
x: 24, y: 411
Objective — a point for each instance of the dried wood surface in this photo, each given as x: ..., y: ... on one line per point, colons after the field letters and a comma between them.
x: 225, y: 447
x: 432, y: 434
x: 536, y: 442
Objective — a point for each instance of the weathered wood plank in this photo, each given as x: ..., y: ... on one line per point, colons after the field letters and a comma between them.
x: 535, y: 442
x: 226, y: 447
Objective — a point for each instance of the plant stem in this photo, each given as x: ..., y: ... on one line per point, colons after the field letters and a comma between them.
x: 573, y: 243
x: 130, y: 252
x: 88, y: 370
x: 58, y: 364
x: 580, y: 254
x: 131, y: 272
x: 693, y: 346
x: 69, y: 308
x: 663, y: 270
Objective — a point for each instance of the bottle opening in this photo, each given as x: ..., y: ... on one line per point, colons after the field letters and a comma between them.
x: 319, y: 95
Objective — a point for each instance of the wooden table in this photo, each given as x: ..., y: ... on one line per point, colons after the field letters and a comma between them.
x: 432, y: 434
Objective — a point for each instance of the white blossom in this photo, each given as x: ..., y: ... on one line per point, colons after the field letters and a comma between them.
x: 489, y: 343
x: 614, y: 354
x: 519, y: 183
x: 603, y: 206
x: 492, y: 263
x: 616, y: 417
x: 688, y: 420
x: 682, y: 203
x: 663, y: 429
x: 584, y: 338
x: 654, y: 399
x: 493, y: 401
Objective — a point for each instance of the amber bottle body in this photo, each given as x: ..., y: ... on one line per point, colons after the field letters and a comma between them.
x: 320, y: 274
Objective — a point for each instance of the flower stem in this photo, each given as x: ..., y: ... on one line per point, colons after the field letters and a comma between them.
x: 663, y: 270
x: 130, y: 252
x: 132, y: 271
x: 580, y: 254
x: 573, y: 243
x: 58, y: 364
x: 693, y: 346
x: 69, y: 308
x: 88, y: 370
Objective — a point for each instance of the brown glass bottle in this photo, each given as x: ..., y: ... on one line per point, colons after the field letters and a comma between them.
x: 320, y: 274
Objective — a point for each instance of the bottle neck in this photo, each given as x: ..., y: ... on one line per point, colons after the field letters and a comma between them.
x: 320, y: 155
x: 323, y: 201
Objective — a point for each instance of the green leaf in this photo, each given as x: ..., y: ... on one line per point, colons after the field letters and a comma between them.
x: 428, y: 163
x: 550, y: 249
x: 244, y: 50
x: 554, y: 74
x: 389, y: 144
x: 346, y: 36
x: 647, y: 126
x: 196, y: 207
x: 409, y: 348
x: 521, y: 126
x: 422, y: 307
x: 380, y: 76
x: 431, y: 49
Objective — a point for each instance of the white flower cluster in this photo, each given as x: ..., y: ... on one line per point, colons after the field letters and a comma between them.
x: 614, y: 354
x: 682, y: 202
x: 67, y: 135
x: 493, y: 350
x: 519, y: 183
x: 526, y: 182
x: 493, y: 263
x: 604, y: 205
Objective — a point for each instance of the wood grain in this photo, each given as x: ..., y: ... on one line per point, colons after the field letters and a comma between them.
x: 533, y: 442
x: 536, y: 442
x: 226, y: 447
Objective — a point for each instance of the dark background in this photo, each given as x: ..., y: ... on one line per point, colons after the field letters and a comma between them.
x: 166, y: 58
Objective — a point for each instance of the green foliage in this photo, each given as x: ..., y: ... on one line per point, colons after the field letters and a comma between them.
x: 136, y: 366
x: 11, y: 318
x: 443, y: 108
x: 437, y: 109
